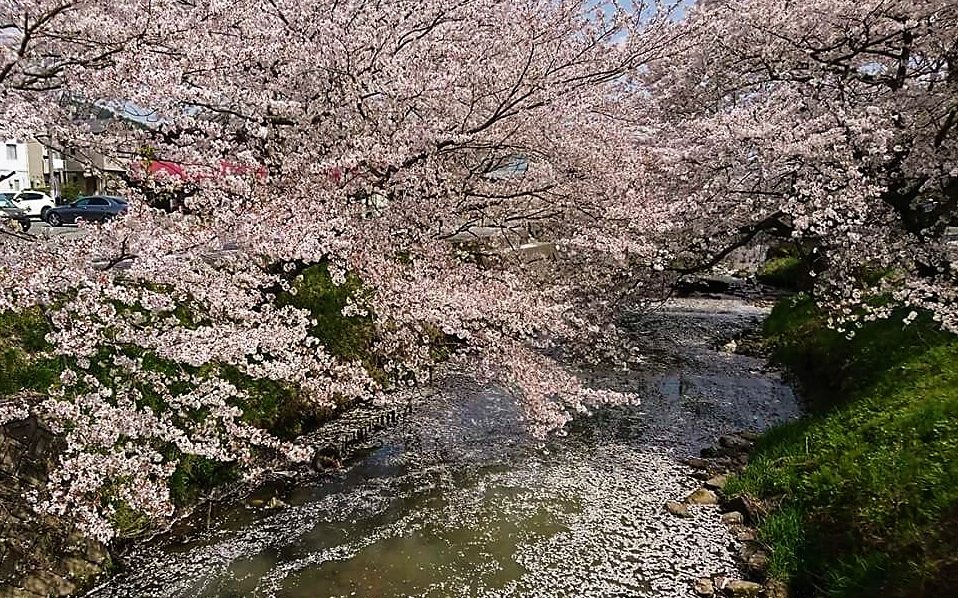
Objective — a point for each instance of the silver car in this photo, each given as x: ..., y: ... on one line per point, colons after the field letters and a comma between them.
x: 10, y: 211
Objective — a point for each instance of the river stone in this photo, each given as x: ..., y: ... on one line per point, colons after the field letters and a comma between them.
x: 733, y: 518
x: 740, y: 588
x: 743, y: 533
x: 697, y: 463
x: 746, y: 550
x: 677, y: 509
x: 710, y: 452
x: 734, y: 443
x: 757, y: 564
x: 79, y: 569
x: 776, y: 589
x: 704, y: 587
x: 46, y: 583
x: 96, y: 552
x: 702, y: 496
x: 721, y: 464
x: 744, y: 505
x: 716, y: 482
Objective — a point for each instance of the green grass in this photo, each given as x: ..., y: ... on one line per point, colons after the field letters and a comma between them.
x: 867, y: 484
x: 787, y: 272
x: 24, y: 366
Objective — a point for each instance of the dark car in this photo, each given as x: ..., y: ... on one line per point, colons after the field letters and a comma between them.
x: 10, y: 211
x: 97, y: 208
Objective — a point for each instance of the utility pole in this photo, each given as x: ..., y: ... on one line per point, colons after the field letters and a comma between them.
x: 54, y: 184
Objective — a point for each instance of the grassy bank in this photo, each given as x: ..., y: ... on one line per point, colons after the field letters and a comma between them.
x: 865, y: 486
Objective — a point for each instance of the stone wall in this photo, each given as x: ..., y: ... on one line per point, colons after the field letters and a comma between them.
x: 39, y: 555
x: 747, y: 260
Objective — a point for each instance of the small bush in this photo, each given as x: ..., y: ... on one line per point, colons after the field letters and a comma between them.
x: 70, y: 191
x: 196, y: 476
x: 347, y: 337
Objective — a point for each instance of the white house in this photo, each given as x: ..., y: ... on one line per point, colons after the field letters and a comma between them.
x: 13, y: 159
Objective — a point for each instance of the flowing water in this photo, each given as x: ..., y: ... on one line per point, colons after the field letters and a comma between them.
x: 458, y: 501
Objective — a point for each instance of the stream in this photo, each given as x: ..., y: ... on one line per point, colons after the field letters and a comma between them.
x: 457, y: 501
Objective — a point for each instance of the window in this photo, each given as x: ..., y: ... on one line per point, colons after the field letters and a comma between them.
x: 81, y: 202
x: 30, y: 196
x: 11, y: 151
x: 98, y: 201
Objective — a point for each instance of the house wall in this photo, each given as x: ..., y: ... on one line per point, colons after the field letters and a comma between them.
x: 40, y: 165
x: 93, y: 174
x: 13, y: 158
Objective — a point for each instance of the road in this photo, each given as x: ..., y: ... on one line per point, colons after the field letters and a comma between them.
x: 45, y: 231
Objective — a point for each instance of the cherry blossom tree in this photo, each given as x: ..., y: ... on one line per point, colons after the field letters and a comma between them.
x: 831, y: 123
x: 362, y: 138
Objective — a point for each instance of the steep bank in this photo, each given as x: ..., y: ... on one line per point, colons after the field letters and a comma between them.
x: 865, y: 488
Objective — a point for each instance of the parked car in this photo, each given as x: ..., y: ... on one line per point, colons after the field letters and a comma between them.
x: 10, y: 211
x: 34, y: 203
x: 96, y: 208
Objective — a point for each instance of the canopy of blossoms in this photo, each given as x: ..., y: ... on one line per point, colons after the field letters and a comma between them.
x: 361, y: 137
x: 370, y: 138
x: 829, y: 122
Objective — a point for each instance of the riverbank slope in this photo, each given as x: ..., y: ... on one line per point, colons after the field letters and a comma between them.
x: 864, y: 488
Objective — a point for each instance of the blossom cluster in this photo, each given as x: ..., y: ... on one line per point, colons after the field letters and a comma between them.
x: 372, y: 139
x: 830, y: 124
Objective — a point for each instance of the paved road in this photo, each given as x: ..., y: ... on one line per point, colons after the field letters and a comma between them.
x: 45, y: 231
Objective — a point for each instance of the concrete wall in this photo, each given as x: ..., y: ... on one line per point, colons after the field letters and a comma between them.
x: 40, y: 165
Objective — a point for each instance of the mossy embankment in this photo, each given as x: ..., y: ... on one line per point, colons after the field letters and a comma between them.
x: 29, y: 365
x: 864, y: 489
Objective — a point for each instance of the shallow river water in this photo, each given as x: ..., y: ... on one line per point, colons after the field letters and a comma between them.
x: 456, y: 501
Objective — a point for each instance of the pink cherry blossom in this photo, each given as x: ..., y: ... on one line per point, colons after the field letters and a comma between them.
x: 359, y: 136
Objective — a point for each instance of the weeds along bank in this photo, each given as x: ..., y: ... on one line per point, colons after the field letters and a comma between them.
x: 864, y: 490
